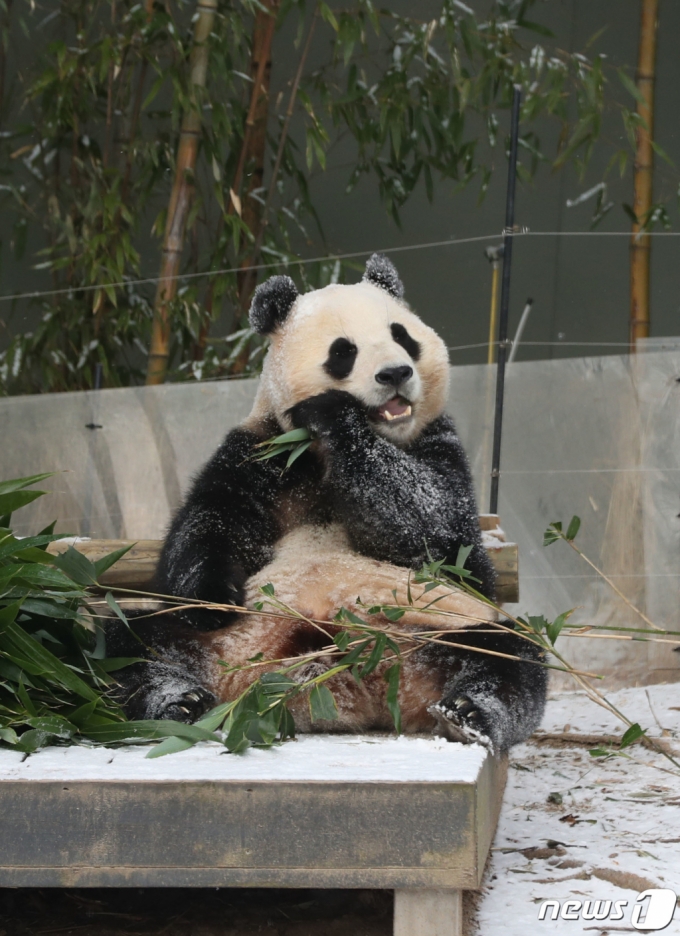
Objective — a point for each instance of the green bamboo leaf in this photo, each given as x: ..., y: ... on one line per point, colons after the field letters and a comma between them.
x: 17, y: 484
x: 11, y: 546
x: 553, y: 533
x: 462, y: 557
x: 8, y: 735
x: 631, y: 736
x: 573, y: 528
x: 392, y: 674
x: 24, y: 697
x: 45, y: 663
x: 104, y: 564
x: 553, y: 630
x: 295, y: 435
x: 662, y: 153
x: 136, y: 731
x: 112, y: 664
x: 630, y: 86
x: 295, y: 454
x: 356, y: 652
x: 18, y: 499
x: 375, y: 656
x: 33, y: 739
x: 322, y: 704
x: 44, y: 576
x: 76, y: 566
x: 170, y: 746
x: 55, y: 725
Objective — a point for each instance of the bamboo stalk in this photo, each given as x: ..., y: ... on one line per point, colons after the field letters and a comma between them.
x: 643, y: 173
x: 249, y: 277
x: 493, y: 315
x: 180, y: 197
x: 258, y: 112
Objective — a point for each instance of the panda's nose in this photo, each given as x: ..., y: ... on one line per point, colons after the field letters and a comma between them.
x: 394, y: 375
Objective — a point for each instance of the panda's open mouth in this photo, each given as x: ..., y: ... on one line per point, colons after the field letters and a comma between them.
x: 398, y: 408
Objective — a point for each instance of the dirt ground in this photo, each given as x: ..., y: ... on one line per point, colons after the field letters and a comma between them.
x: 192, y: 912
x: 200, y: 912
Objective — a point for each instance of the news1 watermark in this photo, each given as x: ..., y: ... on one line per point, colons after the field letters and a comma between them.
x: 651, y: 910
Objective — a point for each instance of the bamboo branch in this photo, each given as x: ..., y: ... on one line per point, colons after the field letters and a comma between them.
x: 180, y: 197
x: 611, y: 584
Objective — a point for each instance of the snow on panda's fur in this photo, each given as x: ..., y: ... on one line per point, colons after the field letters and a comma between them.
x: 385, y: 482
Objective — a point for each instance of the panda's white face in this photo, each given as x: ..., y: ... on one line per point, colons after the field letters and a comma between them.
x: 359, y: 339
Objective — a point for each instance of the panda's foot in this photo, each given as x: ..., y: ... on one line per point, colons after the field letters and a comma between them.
x: 190, y: 705
x: 459, y: 719
x: 164, y: 691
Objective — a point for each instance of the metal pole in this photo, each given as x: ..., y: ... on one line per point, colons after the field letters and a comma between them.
x: 505, y: 302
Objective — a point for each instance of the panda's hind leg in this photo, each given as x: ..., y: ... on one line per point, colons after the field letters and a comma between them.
x: 492, y: 700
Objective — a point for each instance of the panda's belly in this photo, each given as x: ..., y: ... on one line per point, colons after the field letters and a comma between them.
x: 315, y: 572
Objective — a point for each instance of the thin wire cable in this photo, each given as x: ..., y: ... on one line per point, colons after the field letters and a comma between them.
x: 547, y: 471
x: 141, y: 281
x: 556, y: 344
x: 329, y: 258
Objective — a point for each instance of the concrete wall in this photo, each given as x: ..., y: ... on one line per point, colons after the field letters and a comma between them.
x: 597, y: 437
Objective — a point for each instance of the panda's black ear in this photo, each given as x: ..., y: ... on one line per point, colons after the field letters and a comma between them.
x: 271, y: 304
x: 381, y: 272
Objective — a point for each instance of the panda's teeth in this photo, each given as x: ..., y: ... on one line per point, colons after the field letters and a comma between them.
x: 390, y: 416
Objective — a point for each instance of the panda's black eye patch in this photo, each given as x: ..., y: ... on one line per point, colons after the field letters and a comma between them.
x: 402, y: 337
x: 341, y: 357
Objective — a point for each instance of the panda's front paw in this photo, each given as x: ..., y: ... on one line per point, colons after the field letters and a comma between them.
x: 173, y: 693
x: 323, y: 413
x: 186, y: 705
x: 459, y: 719
x: 189, y: 706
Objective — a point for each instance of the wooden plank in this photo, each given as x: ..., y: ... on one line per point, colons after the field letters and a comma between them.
x: 187, y: 828
x: 137, y: 567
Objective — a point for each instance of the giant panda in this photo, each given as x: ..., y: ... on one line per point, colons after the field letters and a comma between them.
x: 385, y: 486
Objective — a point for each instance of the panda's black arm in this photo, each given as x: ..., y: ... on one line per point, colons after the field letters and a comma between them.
x: 224, y: 531
x: 397, y: 504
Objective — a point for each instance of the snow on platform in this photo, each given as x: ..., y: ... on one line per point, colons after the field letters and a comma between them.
x: 582, y: 828
x: 311, y: 758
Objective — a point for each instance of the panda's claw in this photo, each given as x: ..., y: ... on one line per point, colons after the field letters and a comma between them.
x: 189, y: 706
x: 460, y: 720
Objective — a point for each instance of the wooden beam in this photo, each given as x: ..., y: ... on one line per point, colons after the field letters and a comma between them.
x: 137, y: 567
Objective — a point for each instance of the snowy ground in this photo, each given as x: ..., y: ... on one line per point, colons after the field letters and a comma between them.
x: 582, y: 828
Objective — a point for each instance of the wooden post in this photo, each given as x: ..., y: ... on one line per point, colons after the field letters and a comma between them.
x: 428, y: 913
x: 180, y: 197
x: 640, y: 246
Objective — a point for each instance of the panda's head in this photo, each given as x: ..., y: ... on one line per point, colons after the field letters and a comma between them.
x: 361, y: 338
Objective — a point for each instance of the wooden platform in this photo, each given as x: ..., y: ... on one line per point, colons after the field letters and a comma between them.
x: 137, y: 567
x: 413, y: 814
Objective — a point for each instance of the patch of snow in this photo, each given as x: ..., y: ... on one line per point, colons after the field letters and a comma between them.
x: 618, y: 821
x: 313, y: 758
